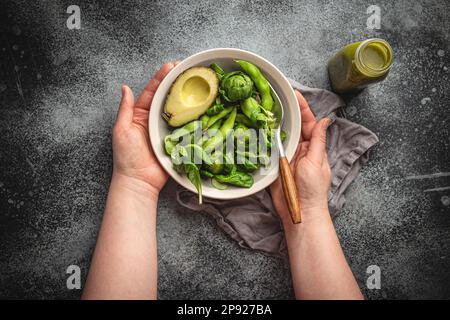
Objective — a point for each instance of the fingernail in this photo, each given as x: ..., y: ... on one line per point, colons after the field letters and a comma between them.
x: 327, y: 123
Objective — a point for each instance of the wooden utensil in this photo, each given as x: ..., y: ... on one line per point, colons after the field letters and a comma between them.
x: 287, y: 179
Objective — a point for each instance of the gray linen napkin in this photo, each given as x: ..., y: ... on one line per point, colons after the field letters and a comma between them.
x: 253, y: 221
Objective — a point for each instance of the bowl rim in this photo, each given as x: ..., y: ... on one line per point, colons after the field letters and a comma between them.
x: 180, y: 68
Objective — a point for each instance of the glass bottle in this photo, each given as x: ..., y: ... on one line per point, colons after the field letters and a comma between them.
x: 359, y: 64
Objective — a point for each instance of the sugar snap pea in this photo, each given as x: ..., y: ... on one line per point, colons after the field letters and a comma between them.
x: 216, y: 125
x: 204, y: 119
x: 217, y: 139
x: 217, y: 117
x: 219, y: 71
x: 261, y: 83
x: 228, y: 124
x: 242, y: 118
x: 215, y: 109
x: 254, y: 112
x: 185, y: 130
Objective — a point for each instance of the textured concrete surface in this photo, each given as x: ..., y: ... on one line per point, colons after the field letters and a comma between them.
x: 59, y: 91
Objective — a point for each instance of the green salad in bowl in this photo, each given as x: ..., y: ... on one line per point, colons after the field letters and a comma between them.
x: 222, y: 125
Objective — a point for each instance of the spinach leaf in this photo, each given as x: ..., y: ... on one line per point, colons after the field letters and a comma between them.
x: 229, y: 165
x: 218, y: 185
x: 248, y: 166
x: 216, y: 165
x: 206, y: 174
x: 193, y: 174
x: 239, y: 179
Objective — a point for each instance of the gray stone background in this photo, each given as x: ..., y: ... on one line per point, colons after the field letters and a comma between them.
x: 59, y: 92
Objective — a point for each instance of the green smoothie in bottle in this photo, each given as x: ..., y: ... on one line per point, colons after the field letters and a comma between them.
x: 359, y: 64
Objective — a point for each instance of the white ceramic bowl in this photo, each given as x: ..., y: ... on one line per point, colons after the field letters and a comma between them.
x: 225, y: 58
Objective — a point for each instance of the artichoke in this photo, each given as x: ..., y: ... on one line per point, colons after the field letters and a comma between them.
x: 236, y: 86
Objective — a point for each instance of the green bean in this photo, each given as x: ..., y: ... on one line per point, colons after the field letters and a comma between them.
x: 218, y: 116
x: 261, y: 83
x: 213, y: 128
x: 253, y: 111
x: 241, y: 135
x: 185, y: 130
x: 215, y: 109
x: 242, y: 118
x: 216, y: 125
x: 204, y: 119
x: 227, y: 125
x: 196, y: 153
x: 219, y: 71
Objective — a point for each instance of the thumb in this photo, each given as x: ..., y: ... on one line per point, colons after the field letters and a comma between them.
x: 317, y: 145
x: 126, y: 107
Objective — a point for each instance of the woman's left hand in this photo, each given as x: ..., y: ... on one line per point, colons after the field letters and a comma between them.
x: 133, y: 157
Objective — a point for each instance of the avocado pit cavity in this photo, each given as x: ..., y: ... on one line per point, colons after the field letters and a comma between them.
x: 195, y: 91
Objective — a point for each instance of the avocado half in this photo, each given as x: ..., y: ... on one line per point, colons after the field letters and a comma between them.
x: 192, y: 93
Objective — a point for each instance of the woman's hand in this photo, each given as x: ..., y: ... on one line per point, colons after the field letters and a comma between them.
x: 318, y: 266
x: 124, y: 264
x: 310, y: 167
x: 133, y: 157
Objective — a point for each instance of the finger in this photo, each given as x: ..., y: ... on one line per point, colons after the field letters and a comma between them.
x: 326, y: 163
x: 308, y: 118
x: 303, y: 151
x: 146, y: 97
x: 125, y: 112
x: 298, y: 152
x: 317, y: 146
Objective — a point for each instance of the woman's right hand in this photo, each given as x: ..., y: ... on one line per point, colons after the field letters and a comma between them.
x: 310, y: 167
x: 318, y: 266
